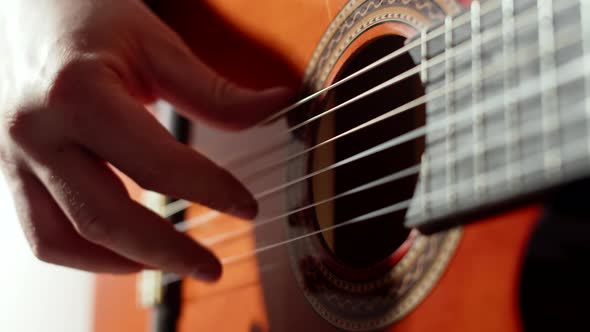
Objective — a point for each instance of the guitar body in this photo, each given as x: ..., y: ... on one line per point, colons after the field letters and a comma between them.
x: 463, y: 279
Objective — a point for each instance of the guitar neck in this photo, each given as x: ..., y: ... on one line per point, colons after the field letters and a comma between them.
x: 508, y: 115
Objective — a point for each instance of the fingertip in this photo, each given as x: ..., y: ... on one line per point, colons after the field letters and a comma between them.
x: 249, y: 210
x: 130, y: 269
x: 207, y: 269
x: 231, y: 196
x: 273, y: 99
x: 279, y: 96
x: 243, y: 205
x: 247, y: 107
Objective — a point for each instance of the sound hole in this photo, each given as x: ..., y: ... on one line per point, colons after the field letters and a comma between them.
x: 368, y: 242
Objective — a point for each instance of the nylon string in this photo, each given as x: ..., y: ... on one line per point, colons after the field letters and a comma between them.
x: 465, y: 81
x: 572, y: 74
x: 525, y: 91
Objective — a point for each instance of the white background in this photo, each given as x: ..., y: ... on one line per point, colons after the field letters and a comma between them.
x: 34, y: 296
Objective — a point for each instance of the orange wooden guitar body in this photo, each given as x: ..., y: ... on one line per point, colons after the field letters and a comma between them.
x: 265, y: 43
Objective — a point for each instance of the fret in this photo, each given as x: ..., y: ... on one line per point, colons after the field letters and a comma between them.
x: 549, y: 97
x: 476, y: 59
x: 530, y: 130
x: 484, y: 88
x: 424, y: 56
x: 510, y: 104
x: 425, y: 169
x: 495, y: 176
x: 506, y: 107
x: 449, y: 108
x: 423, y: 185
x: 585, y: 22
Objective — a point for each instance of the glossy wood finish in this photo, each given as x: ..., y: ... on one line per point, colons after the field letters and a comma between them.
x: 266, y: 43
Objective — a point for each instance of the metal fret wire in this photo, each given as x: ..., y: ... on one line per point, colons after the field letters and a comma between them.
x: 424, y: 160
x: 526, y: 90
x: 530, y: 162
x: 181, y: 205
x: 424, y: 56
x: 510, y: 105
x: 476, y: 92
x: 449, y: 99
x: 548, y: 75
x: 585, y: 21
x: 425, y: 170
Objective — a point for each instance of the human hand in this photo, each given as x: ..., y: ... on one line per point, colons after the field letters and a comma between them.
x: 75, y: 77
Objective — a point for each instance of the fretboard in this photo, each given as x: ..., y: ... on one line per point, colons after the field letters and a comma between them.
x: 507, y: 111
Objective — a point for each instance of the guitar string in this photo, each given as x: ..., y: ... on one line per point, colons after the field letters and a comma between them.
x: 414, y: 170
x: 526, y: 90
x: 499, y: 173
x: 229, y: 260
x: 530, y: 130
x: 531, y: 162
x: 529, y: 13
x: 461, y: 19
x: 181, y: 205
x: 464, y: 81
x: 528, y: 16
x: 437, y: 60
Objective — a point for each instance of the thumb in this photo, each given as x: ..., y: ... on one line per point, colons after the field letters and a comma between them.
x: 185, y: 81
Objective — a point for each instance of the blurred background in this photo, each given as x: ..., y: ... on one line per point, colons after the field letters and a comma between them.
x: 35, y: 296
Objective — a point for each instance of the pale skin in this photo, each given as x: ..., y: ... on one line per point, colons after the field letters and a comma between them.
x: 74, y: 78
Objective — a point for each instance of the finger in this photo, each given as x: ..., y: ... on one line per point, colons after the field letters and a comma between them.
x: 51, y: 235
x: 141, y: 148
x: 181, y: 78
x: 102, y: 212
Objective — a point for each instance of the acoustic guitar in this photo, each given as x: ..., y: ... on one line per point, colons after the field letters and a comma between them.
x: 429, y: 176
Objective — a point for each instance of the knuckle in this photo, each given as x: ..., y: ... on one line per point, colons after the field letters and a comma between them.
x: 225, y: 99
x: 71, y: 77
x: 27, y: 134
x: 93, y: 228
x: 221, y: 91
x: 150, y: 179
x: 80, y: 72
x: 44, y: 249
x: 21, y: 125
x: 78, y: 87
x: 62, y: 102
